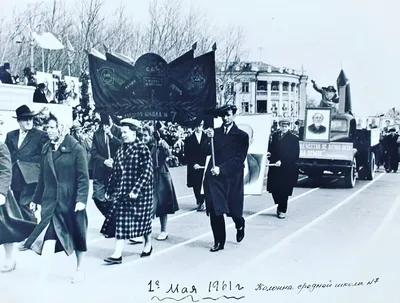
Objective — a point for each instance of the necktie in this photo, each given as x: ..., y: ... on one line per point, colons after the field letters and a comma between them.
x: 21, y: 138
x: 226, y: 130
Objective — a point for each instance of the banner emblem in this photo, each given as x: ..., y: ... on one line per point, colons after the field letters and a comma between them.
x: 107, y: 75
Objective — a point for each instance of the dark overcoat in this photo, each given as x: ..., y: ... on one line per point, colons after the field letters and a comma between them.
x: 225, y: 192
x: 164, y: 200
x: 13, y: 227
x: 194, y: 154
x: 63, y: 181
x: 132, y: 172
x: 99, y: 152
x: 286, y: 149
x: 25, y: 160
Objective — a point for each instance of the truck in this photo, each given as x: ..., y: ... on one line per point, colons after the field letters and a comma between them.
x: 345, y: 151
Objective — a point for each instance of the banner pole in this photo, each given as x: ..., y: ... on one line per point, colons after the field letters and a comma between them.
x: 212, y: 151
x: 156, y: 144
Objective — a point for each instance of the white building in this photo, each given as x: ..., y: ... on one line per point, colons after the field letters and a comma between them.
x: 256, y: 87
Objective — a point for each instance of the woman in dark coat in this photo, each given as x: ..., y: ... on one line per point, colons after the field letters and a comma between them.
x: 13, y: 228
x: 130, y: 190
x: 164, y: 201
x: 284, y: 150
x: 62, y: 194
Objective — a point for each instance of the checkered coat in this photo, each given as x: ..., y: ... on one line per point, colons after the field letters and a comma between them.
x: 132, y: 172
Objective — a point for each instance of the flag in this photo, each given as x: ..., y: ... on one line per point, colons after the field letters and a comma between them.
x: 47, y: 41
x: 96, y: 53
x: 152, y: 90
x: 182, y: 59
x: 70, y: 51
x: 119, y: 59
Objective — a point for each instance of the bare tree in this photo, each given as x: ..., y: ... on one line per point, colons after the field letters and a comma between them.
x: 230, y: 55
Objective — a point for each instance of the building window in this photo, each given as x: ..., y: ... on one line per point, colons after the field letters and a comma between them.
x: 245, y: 107
x: 245, y: 87
x: 261, y: 107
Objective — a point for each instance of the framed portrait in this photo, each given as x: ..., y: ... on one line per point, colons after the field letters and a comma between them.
x: 317, y: 124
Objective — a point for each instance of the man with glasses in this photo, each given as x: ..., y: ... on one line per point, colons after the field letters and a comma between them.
x: 283, y: 151
x: 25, y: 145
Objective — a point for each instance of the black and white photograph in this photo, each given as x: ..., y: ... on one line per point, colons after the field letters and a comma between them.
x: 318, y: 126
x: 199, y: 151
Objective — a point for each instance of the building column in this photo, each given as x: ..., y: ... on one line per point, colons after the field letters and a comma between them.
x: 269, y: 99
x: 303, y: 96
x: 296, y: 101
x: 280, y: 98
x: 253, y: 95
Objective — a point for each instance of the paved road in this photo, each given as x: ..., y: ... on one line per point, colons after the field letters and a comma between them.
x: 336, y: 245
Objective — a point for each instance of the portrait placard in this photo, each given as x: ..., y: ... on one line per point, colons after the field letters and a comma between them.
x: 258, y: 127
x: 317, y: 126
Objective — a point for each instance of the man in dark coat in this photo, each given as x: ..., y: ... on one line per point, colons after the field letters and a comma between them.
x: 39, y: 96
x: 25, y: 146
x: 106, y: 141
x: 223, y: 183
x: 392, y: 160
x: 284, y: 151
x: 195, y: 158
x: 5, y: 75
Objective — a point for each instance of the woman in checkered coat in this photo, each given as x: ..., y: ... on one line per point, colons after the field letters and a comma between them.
x: 130, y: 189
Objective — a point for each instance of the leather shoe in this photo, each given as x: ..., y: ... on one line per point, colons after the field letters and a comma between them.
x: 240, y: 234
x: 112, y: 261
x: 217, y: 247
x: 146, y: 254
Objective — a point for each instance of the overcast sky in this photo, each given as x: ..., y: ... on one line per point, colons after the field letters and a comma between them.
x: 360, y: 36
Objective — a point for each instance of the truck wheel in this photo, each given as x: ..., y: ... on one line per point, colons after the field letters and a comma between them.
x: 351, y: 175
x: 371, y: 168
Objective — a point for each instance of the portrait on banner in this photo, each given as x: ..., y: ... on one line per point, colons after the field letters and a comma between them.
x: 317, y: 124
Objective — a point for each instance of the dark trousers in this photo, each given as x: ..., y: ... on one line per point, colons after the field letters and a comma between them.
x: 282, y: 201
x: 218, y: 226
x: 99, y: 191
x: 197, y: 193
x: 26, y: 212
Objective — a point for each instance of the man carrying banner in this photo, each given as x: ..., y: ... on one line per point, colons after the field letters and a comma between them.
x: 106, y: 141
x: 223, y: 182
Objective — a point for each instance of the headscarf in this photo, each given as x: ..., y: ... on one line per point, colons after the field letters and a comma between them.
x: 63, y: 130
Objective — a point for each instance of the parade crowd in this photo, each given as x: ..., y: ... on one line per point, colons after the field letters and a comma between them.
x: 45, y: 168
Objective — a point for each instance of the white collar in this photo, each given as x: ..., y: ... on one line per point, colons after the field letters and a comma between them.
x: 227, y: 128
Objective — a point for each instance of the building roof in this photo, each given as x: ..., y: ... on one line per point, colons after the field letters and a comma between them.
x: 254, y: 67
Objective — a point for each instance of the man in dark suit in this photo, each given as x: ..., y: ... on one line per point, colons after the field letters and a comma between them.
x: 39, y: 96
x: 223, y: 183
x: 284, y: 150
x: 316, y: 127
x: 5, y: 75
x: 25, y: 146
x: 106, y: 141
x: 195, y: 159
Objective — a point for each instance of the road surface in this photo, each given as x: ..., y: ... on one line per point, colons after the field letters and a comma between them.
x: 336, y: 245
